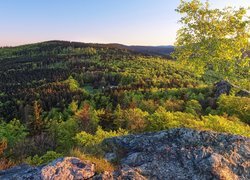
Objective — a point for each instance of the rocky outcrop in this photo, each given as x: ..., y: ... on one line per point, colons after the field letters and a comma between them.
x: 222, y: 87
x: 183, y: 154
x: 62, y: 168
x: 173, y: 154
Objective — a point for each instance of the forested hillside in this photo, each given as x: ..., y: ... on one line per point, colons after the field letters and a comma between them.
x: 56, y: 97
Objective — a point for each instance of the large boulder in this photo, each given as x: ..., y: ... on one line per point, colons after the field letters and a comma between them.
x: 68, y: 168
x: 183, y: 154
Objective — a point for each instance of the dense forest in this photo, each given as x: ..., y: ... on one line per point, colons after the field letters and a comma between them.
x: 59, y: 98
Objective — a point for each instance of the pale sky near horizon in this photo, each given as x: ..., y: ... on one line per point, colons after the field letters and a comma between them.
x: 131, y: 22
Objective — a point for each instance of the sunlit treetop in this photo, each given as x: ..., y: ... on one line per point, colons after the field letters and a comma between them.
x: 213, y: 39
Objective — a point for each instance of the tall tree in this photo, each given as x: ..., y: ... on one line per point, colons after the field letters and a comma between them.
x: 35, y: 123
x: 213, y: 39
x: 87, y: 119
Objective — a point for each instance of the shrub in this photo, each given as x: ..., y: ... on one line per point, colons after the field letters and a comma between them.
x: 73, y: 84
x: 3, y: 146
x: 163, y: 119
x: 228, y: 125
x: 91, y: 143
x: 193, y: 107
x: 46, y: 158
x: 35, y: 160
x: 174, y: 105
x: 133, y: 120
x: 12, y: 132
x: 239, y: 106
x: 73, y: 107
x: 148, y: 105
x: 64, y: 132
x: 6, y: 163
x: 211, y: 111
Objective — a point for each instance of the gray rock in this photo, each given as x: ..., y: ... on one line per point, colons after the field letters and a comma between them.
x: 128, y: 173
x: 21, y: 172
x: 184, y: 154
x: 69, y: 168
x: 124, y: 173
x: 222, y: 87
x: 110, y: 157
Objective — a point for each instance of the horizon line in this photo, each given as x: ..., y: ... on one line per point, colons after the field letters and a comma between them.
x: 75, y: 41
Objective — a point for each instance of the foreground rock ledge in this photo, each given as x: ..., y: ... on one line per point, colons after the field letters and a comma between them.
x: 173, y: 154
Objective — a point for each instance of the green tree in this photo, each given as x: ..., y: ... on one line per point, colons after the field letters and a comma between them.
x: 73, y: 84
x: 193, y: 107
x: 73, y: 106
x: 46, y: 158
x: 232, y: 105
x: 11, y: 133
x: 119, y: 120
x: 213, y: 39
x: 63, y: 131
x: 91, y: 143
x: 135, y: 119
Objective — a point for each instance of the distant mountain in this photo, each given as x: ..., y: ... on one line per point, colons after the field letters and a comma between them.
x: 157, y: 50
x: 150, y: 50
x: 147, y: 50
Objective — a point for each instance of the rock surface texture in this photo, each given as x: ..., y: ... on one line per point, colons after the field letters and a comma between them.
x: 173, y: 154
x: 60, y: 169
x: 183, y: 154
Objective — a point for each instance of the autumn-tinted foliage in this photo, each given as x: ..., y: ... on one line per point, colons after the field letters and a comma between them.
x: 68, y: 95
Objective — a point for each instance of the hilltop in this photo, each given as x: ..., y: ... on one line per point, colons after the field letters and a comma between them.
x: 147, y: 50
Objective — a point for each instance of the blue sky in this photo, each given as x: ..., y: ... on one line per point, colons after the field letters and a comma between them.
x: 137, y: 22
